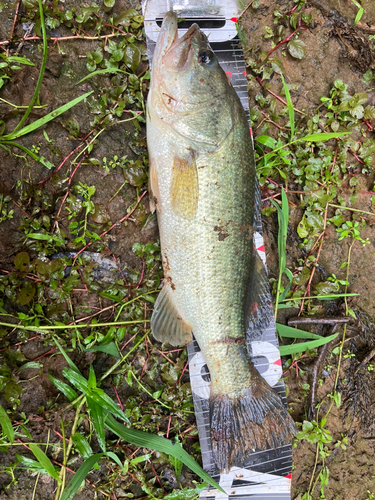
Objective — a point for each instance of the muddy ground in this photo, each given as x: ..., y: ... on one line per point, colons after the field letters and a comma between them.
x: 335, y: 49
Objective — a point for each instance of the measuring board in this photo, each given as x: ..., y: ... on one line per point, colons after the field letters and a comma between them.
x: 266, y: 475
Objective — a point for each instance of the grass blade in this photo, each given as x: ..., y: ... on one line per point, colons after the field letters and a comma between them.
x: 67, y: 359
x: 79, y: 476
x: 68, y: 392
x: 6, y: 425
x: 97, y: 414
x: 101, y: 72
x: 42, y: 121
x: 294, y: 333
x: 82, y: 445
x: 322, y: 297
x: 304, y: 346
x: 32, y: 155
x: 107, y: 403
x: 150, y: 441
x: 290, y: 107
x: 116, y: 459
x: 31, y: 365
x: 322, y: 137
x: 41, y: 73
x: 31, y: 465
x: 283, y: 219
x: 44, y: 461
x: 76, y: 379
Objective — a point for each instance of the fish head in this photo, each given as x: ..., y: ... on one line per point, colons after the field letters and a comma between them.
x: 188, y: 86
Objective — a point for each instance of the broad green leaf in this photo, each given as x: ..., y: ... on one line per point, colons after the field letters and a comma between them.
x: 45, y: 237
x: 6, y: 425
x: 107, y: 348
x: 132, y: 57
x: 68, y: 392
x: 21, y: 260
x: 270, y: 142
x: 44, y: 461
x: 81, y: 474
x: 26, y: 294
x: 153, y: 442
x: 296, y: 48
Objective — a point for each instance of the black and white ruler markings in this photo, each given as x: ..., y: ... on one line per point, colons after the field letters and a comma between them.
x: 266, y: 475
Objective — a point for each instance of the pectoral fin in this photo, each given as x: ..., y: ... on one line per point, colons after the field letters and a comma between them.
x: 184, y: 186
x: 167, y: 326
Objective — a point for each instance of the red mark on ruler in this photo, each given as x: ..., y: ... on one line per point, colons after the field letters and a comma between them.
x: 277, y: 362
x: 229, y: 73
x: 289, y: 476
x: 234, y: 19
x: 261, y: 248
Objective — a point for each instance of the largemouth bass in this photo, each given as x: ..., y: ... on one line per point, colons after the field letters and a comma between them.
x: 201, y: 184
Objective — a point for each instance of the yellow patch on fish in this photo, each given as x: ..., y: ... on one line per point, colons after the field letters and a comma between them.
x: 184, y: 186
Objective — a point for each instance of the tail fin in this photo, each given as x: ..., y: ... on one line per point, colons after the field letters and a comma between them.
x: 255, y: 419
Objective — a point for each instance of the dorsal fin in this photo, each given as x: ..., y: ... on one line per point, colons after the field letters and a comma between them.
x: 167, y: 326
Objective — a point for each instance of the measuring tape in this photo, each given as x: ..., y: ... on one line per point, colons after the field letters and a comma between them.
x: 266, y: 475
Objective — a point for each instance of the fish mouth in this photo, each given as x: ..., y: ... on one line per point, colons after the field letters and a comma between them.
x: 180, y: 50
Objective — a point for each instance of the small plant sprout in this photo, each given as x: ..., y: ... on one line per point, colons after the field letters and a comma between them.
x: 351, y: 230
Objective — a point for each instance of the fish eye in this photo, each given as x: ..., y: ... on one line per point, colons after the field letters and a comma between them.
x: 206, y: 57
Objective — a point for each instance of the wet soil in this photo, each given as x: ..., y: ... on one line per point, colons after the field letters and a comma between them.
x: 334, y: 49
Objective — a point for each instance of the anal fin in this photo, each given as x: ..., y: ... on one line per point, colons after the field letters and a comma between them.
x: 167, y: 326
